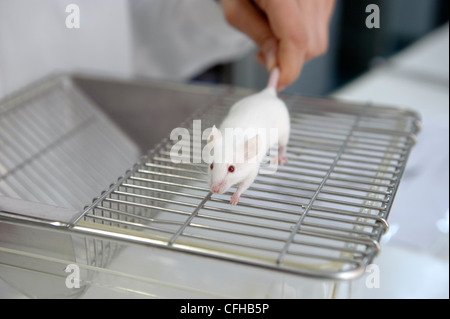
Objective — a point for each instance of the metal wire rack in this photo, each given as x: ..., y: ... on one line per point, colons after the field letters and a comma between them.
x: 56, y: 147
x: 321, y: 215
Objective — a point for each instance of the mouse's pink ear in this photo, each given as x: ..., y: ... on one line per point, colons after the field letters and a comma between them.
x: 251, y: 148
x: 215, y: 135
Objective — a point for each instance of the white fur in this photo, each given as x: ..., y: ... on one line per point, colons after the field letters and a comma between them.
x: 263, y: 110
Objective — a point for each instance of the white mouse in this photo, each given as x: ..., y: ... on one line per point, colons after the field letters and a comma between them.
x: 239, y: 164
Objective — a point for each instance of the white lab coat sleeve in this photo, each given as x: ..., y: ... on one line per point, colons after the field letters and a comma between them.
x: 176, y: 39
x: 169, y: 39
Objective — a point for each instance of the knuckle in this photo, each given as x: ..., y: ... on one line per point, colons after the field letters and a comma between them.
x: 319, y: 48
x: 312, y: 44
x: 300, y: 38
x: 322, y: 48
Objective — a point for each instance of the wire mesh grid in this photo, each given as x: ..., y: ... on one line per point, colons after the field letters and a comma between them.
x: 320, y: 215
x: 54, y: 146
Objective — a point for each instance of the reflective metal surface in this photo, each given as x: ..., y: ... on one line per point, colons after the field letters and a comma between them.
x: 69, y: 139
x: 321, y: 215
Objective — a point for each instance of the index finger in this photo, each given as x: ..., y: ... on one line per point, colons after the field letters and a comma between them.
x: 288, y: 27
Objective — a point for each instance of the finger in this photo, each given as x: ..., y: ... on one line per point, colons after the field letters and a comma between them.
x: 290, y: 61
x: 286, y: 22
x: 244, y: 16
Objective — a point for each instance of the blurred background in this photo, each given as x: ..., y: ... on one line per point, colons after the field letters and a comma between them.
x: 353, y: 49
x: 189, y: 40
x: 403, y: 63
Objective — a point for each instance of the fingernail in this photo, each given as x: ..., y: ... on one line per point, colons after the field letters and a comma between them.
x: 270, y: 48
x: 270, y: 60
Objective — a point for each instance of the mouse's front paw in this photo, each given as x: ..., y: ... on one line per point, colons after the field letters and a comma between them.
x: 282, y: 160
x: 234, y: 199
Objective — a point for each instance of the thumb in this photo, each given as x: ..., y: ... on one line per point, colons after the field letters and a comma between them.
x: 246, y: 17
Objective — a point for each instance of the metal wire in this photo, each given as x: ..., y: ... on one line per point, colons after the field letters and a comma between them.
x: 53, y: 146
x: 321, y: 215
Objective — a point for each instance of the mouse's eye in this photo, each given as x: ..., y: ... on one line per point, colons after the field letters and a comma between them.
x: 231, y: 168
x: 211, y: 166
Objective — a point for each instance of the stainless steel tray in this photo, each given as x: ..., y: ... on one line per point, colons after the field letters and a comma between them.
x: 320, y: 216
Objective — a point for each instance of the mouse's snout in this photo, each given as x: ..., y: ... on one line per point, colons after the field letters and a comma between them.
x: 218, y: 188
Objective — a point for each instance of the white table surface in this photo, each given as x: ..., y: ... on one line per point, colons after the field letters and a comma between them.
x: 413, y: 262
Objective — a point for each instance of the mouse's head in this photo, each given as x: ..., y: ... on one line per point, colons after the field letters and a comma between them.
x: 230, y: 164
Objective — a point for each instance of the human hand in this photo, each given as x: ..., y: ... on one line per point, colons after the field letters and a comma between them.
x: 287, y: 32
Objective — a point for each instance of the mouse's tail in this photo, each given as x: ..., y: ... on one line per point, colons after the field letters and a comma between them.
x: 273, y: 78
